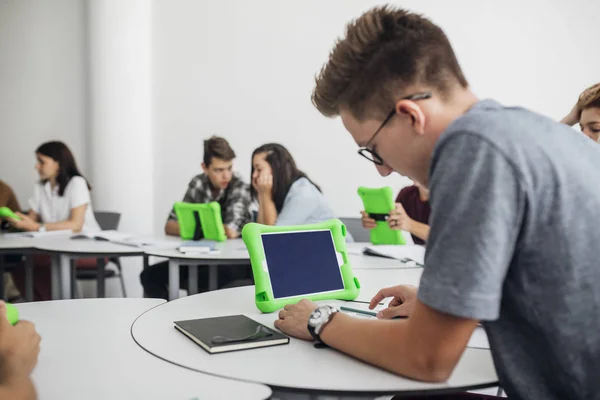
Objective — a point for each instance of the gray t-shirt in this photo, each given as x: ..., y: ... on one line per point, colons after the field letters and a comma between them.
x: 515, y: 243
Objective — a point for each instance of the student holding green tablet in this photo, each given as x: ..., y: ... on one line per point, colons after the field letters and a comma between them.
x: 217, y: 183
x: 514, y: 223
x: 411, y: 213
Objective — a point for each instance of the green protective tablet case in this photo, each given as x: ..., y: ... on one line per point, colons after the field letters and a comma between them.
x: 12, y: 314
x: 197, y: 221
x: 264, y: 298
x: 378, y: 203
x: 6, y: 212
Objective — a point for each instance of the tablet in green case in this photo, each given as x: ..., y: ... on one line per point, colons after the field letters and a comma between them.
x: 290, y: 263
x: 197, y: 221
x: 378, y: 203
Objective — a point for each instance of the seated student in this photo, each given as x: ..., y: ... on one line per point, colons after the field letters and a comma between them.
x: 411, y: 213
x: 61, y: 200
x: 285, y: 195
x: 218, y: 183
x: 587, y: 113
x: 19, y: 350
x: 514, y: 222
x: 8, y: 199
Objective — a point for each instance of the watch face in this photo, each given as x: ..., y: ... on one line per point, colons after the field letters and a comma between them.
x: 319, y: 316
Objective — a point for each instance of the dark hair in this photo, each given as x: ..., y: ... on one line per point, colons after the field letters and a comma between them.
x: 285, y: 171
x: 384, y: 52
x: 217, y: 147
x: 67, y: 168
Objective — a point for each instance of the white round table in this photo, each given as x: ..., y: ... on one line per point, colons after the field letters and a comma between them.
x: 65, y: 249
x: 298, y: 366
x: 87, y: 352
x: 230, y: 252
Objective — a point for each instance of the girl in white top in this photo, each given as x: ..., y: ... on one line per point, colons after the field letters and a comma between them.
x: 61, y: 200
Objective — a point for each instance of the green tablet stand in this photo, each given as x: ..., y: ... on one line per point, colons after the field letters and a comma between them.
x: 6, y: 212
x: 12, y: 314
x: 378, y: 203
x: 198, y: 221
x: 264, y: 298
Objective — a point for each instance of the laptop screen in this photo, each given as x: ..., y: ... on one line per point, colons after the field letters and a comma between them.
x: 302, y: 263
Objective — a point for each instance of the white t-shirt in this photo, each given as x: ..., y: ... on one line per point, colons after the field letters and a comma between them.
x: 54, y: 208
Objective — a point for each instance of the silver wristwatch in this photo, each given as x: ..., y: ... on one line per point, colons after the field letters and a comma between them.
x: 42, y: 228
x: 319, y: 319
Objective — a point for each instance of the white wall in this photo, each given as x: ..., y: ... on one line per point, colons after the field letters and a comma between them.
x: 42, y: 85
x: 245, y: 70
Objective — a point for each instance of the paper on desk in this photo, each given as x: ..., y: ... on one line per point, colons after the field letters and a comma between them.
x: 65, y: 232
x: 398, y: 252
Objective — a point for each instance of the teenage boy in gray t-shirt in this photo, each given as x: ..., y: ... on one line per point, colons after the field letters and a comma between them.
x: 515, y: 223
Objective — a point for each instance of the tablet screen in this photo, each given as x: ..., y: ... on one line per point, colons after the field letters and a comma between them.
x: 302, y: 263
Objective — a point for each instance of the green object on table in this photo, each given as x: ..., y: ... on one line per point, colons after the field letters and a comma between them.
x: 198, y: 221
x: 12, y: 314
x: 265, y: 300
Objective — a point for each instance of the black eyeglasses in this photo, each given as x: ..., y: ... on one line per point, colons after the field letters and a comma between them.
x: 370, y: 154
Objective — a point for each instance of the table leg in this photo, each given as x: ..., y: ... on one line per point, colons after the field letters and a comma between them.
x: 192, y: 279
x: 212, y: 277
x: 100, y: 265
x: 28, y: 278
x: 65, y: 276
x: 73, y: 283
x: 2, y: 294
x: 173, y: 279
x: 55, y: 276
x: 146, y: 261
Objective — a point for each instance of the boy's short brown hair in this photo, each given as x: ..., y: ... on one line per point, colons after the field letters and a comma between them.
x: 589, y: 98
x: 385, y: 51
x: 217, y: 147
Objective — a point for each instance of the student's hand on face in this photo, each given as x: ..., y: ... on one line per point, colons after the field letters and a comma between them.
x: 264, y: 184
x: 25, y: 223
x: 293, y: 319
x: 19, y: 346
x: 403, y: 301
x: 399, y: 220
x: 367, y: 222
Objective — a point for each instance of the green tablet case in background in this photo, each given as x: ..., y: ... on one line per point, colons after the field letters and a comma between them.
x: 207, y: 216
x: 378, y: 202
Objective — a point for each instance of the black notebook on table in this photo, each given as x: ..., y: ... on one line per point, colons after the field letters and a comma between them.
x: 230, y: 333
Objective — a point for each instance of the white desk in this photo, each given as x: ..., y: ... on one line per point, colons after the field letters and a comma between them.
x: 297, y: 366
x: 65, y: 249
x: 87, y: 352
x: 231, y: 252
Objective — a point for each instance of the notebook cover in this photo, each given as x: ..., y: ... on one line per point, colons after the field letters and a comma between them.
x: 201, y: 331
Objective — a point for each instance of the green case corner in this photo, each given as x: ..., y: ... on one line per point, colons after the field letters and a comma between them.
x: 12, y: 314
x: 381, y: 201
x: 251, y: 234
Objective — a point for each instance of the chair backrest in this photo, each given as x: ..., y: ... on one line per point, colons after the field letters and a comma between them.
x: 108, y: 220
x: 354, y: 226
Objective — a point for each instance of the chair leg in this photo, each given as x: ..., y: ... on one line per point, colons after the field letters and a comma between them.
x: 118, y: 264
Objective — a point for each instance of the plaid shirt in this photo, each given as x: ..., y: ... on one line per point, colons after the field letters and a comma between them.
x: 235, y: 200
